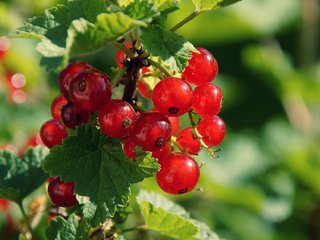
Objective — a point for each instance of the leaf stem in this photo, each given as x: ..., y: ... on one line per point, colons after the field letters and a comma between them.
x: 194, y: 14
x: 161, y: 68
x: 26, y: 219
x: 117, y: 77
x: 142, y: 227
x: 127, y: 51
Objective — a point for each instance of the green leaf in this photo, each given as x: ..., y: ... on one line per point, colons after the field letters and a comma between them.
x: 21, y: 176
x: 166, y: 5
x: 142, y: 10
x: 169, y: 219
x: 84, y: 37
x: 61, y: 229
x: 99, y: 168
x: 207, y: 5
x: 120, y: 238
x: 173, y: 49
x: 124, y: 3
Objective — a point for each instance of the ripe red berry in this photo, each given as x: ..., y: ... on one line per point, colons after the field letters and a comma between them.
x: 188, y: 141
x: 172, y: 96
x: 175, y: 124
x: 212, y: 129
x: 144, y: 90
x: 120, y: 55
x: 202, y: 67
x: 90, y: 89
x: 61, y: 193
x: 68, y: 74
x: 207, y: 99
x: 71, y: 116
x: 179, y: 173
x: 56, y: 106
x: 151, y: 131
x: 115, y: 118
x: 162, y: 152
x: 52, y: 133
x: 128, y: 148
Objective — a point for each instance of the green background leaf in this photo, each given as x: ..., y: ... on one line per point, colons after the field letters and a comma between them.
x: 21, y: 176
x: 207, y: 5
x: 61, y: 229
x: 168, y: 218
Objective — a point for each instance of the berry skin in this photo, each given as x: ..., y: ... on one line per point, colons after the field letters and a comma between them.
x: 175, y: 124
x: 151, y: 131
x: 120, y: 55
x: 56, y: 106
x: 207, y: 99
x: 188, y: 142
x: 71, y: 116
x: 61, y: 193
x: 68, y: 74
x: 162, y: 152
x: 172, y: 96
x: 202, y: 67
x: 115, y: 118
x: 179, y: 173
x: 128, y: 148
x: 144, y: 90
x: 212, y: 129
x: 52, y: 133
x: 90, y: 89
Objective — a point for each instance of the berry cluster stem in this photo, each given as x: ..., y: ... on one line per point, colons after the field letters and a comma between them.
x: 130, y: 80
x: 194, y: 14
x: 159, y: 66
x: 211, y: 151
x: 26, y: 219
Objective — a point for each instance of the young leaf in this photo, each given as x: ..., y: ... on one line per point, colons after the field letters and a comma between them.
x: 207, y: 5
x: 142, y: 10
x: 168, y: 218
x: 98, y: 167
x: 173, y: 49
x: 84, y: 37
x: 61, y: 229
x: 21, y: 176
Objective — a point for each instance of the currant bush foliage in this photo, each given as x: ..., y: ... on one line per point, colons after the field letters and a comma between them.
x: 99, y: 168
x: 21, y: 176
x: 169, y: 219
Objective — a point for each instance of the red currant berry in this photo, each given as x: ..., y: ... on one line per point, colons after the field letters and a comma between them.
x: 179, y: 173
x: 175, y: 123
x: 90, y: 89
x: 172, y: 96
x: 61, y: 193
x: 52, y: 216
x: 144, y: 90
x: 188, y: 141
x: 56, y: 106
x: 115, y: 118
x: 120, y: 55
x: 162, y: 152
x: 52, y: 133
x: 71, y: 116
x: 50, y: 179
x: 68, y: 74
x: 212, y: 129
x: 207, y: 99
x: 151, y: 131
x: 128, y: 148
x: 202, y: 67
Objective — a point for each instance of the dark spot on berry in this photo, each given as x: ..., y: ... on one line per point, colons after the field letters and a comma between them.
x: 160, y: 142
x: 126, y: 122
x: 77, y: 118
x: 183, y: 190
x: 173, y: 110
x: 194, y: 136
x: 82, y: 85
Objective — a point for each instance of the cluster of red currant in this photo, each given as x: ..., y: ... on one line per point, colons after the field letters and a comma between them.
x: 84, y: 90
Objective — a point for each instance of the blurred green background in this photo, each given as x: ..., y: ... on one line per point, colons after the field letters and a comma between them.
x: 265, y: 185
